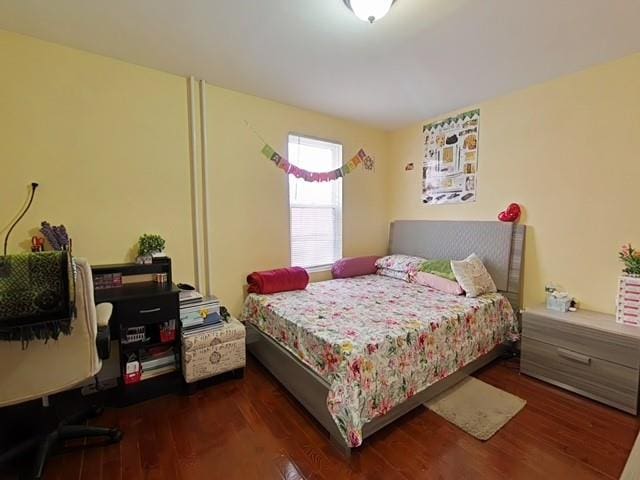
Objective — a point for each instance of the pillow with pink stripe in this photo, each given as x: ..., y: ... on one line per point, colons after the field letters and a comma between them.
x: 387, y: 272
x: 400, y: 263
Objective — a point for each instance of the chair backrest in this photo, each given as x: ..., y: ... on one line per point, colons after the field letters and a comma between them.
x: 57, y: 365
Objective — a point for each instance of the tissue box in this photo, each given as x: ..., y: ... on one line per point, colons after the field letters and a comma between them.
x: 559, y: 304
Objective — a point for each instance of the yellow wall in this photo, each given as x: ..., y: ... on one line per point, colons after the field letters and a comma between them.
x: 108, y: 141
x: 250, y: 195
x: 567, y: 150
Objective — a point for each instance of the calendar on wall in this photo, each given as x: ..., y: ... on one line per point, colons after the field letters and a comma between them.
x: 449, y: 173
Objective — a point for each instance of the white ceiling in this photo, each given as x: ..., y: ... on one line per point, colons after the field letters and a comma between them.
x: 425, y: 58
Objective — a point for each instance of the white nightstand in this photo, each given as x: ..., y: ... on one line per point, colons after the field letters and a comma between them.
x: 584, y: 352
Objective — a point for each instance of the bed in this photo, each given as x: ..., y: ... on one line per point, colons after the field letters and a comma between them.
x: 360, y: 352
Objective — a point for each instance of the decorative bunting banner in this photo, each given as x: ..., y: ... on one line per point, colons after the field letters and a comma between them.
x: 283, y: 164
x: 359, y: 158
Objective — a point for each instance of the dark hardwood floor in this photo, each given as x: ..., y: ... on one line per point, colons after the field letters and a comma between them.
x: 253, y: 429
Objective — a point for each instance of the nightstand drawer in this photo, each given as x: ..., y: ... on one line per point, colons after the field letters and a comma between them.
x: 592, y: 342
x: 593, y: 377
x: 148, y: 310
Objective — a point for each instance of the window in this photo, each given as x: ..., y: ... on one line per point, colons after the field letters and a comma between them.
x: 315, y: 207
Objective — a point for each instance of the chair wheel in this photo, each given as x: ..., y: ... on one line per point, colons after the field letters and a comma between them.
x: 115, y: 435
x: 95, y: 411
x: 27, y: 475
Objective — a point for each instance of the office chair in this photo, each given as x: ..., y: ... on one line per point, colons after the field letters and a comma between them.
x: 45, y: 368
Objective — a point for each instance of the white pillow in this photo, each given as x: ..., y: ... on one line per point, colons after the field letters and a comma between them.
x: 472, y: 276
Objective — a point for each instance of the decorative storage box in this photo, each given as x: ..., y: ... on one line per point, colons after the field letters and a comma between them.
x: 209, y: 353
x: 628, y: 311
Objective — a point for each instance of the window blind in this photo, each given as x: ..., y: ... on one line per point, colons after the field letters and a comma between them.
x: 315, y: 207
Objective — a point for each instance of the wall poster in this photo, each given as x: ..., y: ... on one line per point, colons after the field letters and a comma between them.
x: 451, y: 159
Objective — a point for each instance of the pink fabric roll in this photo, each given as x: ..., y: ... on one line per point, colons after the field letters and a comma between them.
x: 354, y: 266
x: 278, y: 280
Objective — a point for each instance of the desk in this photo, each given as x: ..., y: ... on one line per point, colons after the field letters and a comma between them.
x: 138, y: 304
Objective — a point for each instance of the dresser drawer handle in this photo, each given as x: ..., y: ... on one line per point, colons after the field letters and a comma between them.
x: 151, y: 310
x: 574, y: 356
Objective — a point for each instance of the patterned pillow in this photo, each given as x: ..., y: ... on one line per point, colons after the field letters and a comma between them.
x: 400, y: 263
x: 472, y: 276
x: 387, y: 272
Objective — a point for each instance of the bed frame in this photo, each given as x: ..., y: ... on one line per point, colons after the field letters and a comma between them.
x: 501, y: 247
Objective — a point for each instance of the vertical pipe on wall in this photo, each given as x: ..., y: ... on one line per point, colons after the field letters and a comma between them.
x: 205, y: 187
x: 195, y: 188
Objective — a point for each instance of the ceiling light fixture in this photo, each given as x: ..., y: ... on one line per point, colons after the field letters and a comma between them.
x: 369, y: 10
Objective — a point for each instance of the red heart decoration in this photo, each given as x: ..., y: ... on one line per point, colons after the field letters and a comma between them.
x: 511, y: 214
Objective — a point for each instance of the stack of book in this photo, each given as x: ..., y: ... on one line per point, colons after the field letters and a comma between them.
x: 189, y: 297
x: 157, y: 361
x: 201, y: 316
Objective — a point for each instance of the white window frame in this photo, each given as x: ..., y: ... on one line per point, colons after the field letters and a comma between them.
x: 338, y: 152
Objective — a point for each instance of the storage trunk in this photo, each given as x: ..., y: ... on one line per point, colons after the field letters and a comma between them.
x: 213, y: 352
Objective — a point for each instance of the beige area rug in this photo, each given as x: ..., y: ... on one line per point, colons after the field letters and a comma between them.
x: 476, y: 407
x: 632, y: 468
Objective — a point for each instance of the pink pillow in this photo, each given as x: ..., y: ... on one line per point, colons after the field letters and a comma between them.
x: 354, y: 266
x: 437, y: 283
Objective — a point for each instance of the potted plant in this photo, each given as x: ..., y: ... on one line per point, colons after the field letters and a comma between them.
x: 631, y: 260
x: 629, y: 287
x: 150, y: 245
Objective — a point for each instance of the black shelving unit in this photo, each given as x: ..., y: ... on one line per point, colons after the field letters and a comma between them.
x: 133, y: 291
x: 147, y: 304
x: 159, y: 265
x: 136, y: 346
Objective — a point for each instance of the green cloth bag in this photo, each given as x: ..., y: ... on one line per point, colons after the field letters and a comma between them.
x: 441, y: 268
x: 37, y: 296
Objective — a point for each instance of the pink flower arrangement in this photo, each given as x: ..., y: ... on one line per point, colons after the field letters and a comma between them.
x: 631, y: 259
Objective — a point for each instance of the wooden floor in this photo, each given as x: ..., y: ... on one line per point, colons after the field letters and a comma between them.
x: 252, y: 428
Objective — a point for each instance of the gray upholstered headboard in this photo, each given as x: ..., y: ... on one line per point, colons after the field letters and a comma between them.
x: 499, y: 245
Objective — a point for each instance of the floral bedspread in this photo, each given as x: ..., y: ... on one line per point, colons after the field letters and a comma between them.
x: 378, y: 340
